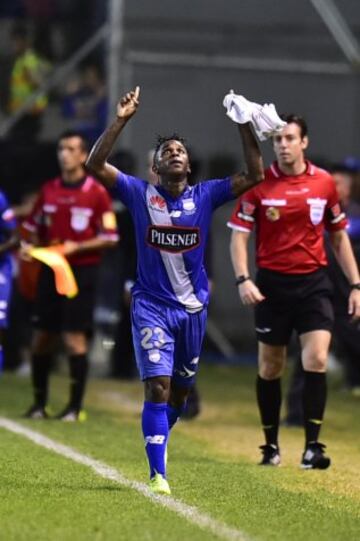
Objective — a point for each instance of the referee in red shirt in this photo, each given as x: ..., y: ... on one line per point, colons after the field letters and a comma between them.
x: 73, y: 210
x: 290, y: 210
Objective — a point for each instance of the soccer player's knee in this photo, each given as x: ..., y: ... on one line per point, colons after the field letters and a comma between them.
x: 316, y: 361
x: 157, y: 391
x: 271, y: 367
x: 42, y: 343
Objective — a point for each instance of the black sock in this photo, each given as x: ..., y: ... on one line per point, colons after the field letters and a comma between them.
x: 314, y: 400
x: 268, y: 394
x: 40, y: 370
x: 78, y: 374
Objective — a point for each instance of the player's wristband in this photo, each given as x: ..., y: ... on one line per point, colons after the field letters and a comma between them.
x: 355, y: 286
x: 241, y: 279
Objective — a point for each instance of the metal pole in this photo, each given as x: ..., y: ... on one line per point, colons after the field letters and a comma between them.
x: 115, y: 52
x: 339, y: 29
x: 204, y: 61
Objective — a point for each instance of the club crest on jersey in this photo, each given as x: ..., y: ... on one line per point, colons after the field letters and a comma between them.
x: 272, y: 214
x: 156, y: 202
x: 189, y: 206
x: 173, y: 239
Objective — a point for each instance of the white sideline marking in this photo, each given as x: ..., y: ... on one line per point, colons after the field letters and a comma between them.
x: 190, y: 513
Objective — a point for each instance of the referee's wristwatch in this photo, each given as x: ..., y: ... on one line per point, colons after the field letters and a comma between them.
x: 355, y: 286
x: 241, y: 279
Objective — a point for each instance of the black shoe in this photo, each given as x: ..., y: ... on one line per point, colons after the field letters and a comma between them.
x: 71, y: 415
x: 314, y: 457
x: 271, y: 455
x: 36, y: 412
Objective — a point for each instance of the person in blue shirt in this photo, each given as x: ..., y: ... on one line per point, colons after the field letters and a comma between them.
x: 170, y: 294
x: 8, y: 241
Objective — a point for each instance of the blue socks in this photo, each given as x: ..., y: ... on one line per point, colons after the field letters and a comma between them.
x: 155, y: 428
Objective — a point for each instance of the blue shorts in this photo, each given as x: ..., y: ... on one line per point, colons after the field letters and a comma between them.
x: 5, y: 291
x: 167, y: 340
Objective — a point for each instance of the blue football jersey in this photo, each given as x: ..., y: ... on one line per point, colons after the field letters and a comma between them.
x: 171, y: 234
x: 7, y: 223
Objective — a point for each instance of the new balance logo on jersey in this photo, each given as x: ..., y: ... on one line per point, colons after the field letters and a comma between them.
x: 155, y: 440
x: 173, y: 239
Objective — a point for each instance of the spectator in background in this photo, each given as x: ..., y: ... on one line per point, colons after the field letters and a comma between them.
x: 346, y: 332
x: 353, y: 165
x: 27, y: 75
x: 85, y: 102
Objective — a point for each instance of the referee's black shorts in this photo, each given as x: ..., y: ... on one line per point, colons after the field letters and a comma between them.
x: 57, y: 313
x: 300, y: 302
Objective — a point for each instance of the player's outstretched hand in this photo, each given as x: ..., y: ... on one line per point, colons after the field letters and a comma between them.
x: 128, y: 104
x: 354, y: 304
x: 249, y: 293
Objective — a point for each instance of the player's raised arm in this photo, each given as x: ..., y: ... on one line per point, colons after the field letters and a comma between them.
x: 241, y: 182
x: 97, y: 160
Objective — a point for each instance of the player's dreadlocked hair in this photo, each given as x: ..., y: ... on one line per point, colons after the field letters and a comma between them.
x: 161, y: 139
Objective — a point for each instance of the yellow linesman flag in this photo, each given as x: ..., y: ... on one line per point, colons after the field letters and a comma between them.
x: 65, y: 282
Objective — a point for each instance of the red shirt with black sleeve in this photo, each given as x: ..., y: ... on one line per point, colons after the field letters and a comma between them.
x: 290, y: 214
x: 77, y: 212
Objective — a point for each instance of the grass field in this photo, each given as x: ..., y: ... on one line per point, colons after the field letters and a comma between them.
x: 212, y: 466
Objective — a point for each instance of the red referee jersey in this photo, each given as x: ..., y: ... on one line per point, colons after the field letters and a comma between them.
x: 290, y: 214
x: 76, y: 212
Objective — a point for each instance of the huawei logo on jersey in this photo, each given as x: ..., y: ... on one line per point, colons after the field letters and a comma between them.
x: 170, y: 238
x: 157, y: 202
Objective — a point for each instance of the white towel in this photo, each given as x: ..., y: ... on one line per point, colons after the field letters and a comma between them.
x: 264, y: 118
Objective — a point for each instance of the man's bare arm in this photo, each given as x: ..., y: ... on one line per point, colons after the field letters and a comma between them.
x: 78, y: 247
x: 97, y: 160
x: 248, y: 291
x: 241, y: 182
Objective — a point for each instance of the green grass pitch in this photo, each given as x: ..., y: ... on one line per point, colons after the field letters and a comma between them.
x: 212, y: 466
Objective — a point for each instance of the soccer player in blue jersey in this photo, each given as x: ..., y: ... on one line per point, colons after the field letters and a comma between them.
x: 8, y: 241
x: 170, y: 295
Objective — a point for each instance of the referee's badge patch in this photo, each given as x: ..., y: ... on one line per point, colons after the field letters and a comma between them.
x: 80, y: 218
x: 272, y: 214
x: 317, y: 209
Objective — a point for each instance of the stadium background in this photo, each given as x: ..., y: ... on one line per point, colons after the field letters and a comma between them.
x: 185, y: 56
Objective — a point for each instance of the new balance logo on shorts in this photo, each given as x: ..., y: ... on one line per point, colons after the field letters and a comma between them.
x: 155, y: 440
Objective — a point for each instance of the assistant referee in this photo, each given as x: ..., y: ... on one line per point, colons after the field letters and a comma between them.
x: 74, y: 211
